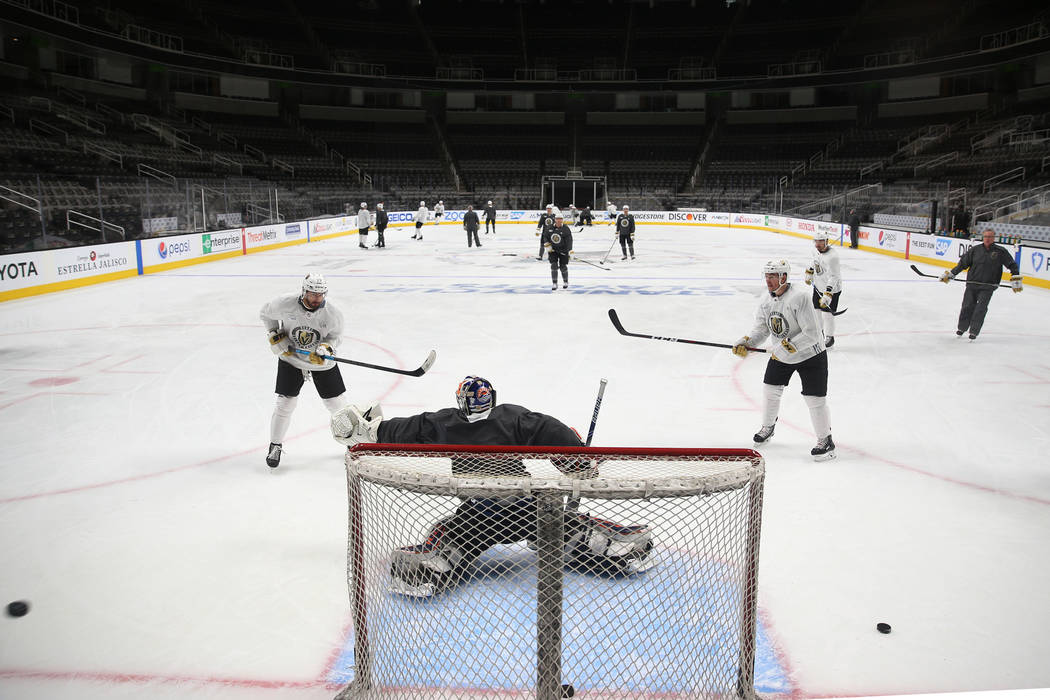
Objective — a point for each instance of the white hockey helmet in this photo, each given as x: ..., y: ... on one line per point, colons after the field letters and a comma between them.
x: 626, y: 208
x: 490, y: 201
x: 316, y: 283
x: 364, y: 205
x: 379, y: 205
x: 441, y: 201
x: 550, y: 206
x: 422, y: 203
x: 820, y: 236
x: 776, y: 267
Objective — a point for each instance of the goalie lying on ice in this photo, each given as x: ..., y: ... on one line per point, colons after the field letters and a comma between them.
x: 455, y: 542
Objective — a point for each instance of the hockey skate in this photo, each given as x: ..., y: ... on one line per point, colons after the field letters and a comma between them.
x: 829, y: 341
x: 604, y: 547
x: 764, y: 433
x: 422, y: 571
x: 824, y: 451
x: 554, y: 287
x: 273, y: 455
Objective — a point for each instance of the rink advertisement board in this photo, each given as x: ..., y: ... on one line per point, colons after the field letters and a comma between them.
x: 38, y: 272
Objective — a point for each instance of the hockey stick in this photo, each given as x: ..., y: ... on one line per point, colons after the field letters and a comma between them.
x: 588, y: 262
x: 619, y: 326
x: 606, y: 256
x: 419, y: 372
x: 937, y: 277
x: 574, y: 503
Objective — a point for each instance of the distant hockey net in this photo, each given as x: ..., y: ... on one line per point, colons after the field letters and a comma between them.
x: 518, y: 572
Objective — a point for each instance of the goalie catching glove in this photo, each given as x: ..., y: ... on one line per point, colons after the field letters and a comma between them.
x: 279, y: 343
x: 740, y: 348
x: 1016, y: 283
x: 321, y: 355
x: 353, y: 424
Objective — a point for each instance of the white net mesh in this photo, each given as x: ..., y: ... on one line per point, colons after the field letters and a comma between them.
x: 543, y: 572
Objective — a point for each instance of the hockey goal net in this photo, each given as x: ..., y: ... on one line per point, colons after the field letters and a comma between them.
x: 513, y: 572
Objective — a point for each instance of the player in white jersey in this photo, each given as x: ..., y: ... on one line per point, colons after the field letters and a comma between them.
x: 421, y: 218
x: 824, y: 273
x: 439, y: 212
x: 306, y: 321
x: 610, y: 212
x: 798, y: 346
x: 364, y: 222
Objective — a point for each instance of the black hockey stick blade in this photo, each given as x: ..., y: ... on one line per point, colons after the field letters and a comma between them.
x: 619, y: 327
x: 418, y: 372
x: 937, y: 277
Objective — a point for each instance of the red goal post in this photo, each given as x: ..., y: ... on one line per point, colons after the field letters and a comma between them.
x: 613, y: 572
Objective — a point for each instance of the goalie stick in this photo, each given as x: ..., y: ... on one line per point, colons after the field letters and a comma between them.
x: 937, y: 277
x: 619, y: 326
x: 574, y: 503
x: 418, y: 372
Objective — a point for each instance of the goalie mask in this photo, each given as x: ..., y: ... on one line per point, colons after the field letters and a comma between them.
x: 315, y: 288
x: 475, y: 395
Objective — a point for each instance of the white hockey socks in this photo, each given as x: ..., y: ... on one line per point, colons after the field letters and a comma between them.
x: 819, y: 414
x: 772, y: 393
x: 282, y: 417
x: 335, y: 403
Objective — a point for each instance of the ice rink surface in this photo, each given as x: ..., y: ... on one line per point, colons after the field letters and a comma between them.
x: 163, y: 559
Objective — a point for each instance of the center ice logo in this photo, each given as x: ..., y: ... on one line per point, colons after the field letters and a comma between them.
x: 1037, y: 261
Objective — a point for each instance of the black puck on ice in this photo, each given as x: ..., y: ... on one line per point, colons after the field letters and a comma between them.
x: 883, y: 627
x: 18, y: 608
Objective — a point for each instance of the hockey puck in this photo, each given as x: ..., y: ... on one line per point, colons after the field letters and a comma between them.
x: 883, y: 627
x: 17, y: 608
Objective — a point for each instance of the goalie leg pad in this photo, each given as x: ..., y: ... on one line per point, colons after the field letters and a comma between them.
x: 610, y: 548
x: 423, y: 570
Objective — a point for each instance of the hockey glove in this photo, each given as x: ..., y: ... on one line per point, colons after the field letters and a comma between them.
x: 279, y: 343
x: 786, y: 344
x: 740, y: 348
x: 825, y: 299
x: 947, y: 276
x: 1016, y: 283
x: 537, y: 232
x: 321, y: 354
x: 809, y: 275
x: 353, y: 424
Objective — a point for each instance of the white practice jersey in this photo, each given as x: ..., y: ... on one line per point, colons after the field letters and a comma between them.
x: 364, y: 218
x: 789, y: 316
x: 306, y: 329
x: 826, y: 273
x: 439, y: 210
x: 611, y: 211
x: 421, y: 215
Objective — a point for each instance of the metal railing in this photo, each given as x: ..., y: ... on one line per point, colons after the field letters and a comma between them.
x: 156, y: 174
x: 103, y: 152
x: 79, y: 218
x: 49, y: 130
x: 1017, y: 173
x: 935, y: 162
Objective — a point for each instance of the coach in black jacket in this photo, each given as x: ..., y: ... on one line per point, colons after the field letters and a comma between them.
x: 985, y: 263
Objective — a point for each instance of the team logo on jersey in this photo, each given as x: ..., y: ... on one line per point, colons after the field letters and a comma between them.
x: 555, y: 238
x: 778, y: 325
x: 624, y: 222
x: 548, y: 221
x: 305, y: 336
x: 818, y: 269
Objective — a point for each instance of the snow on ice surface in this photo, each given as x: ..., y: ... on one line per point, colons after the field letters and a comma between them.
x: 162, y: 557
